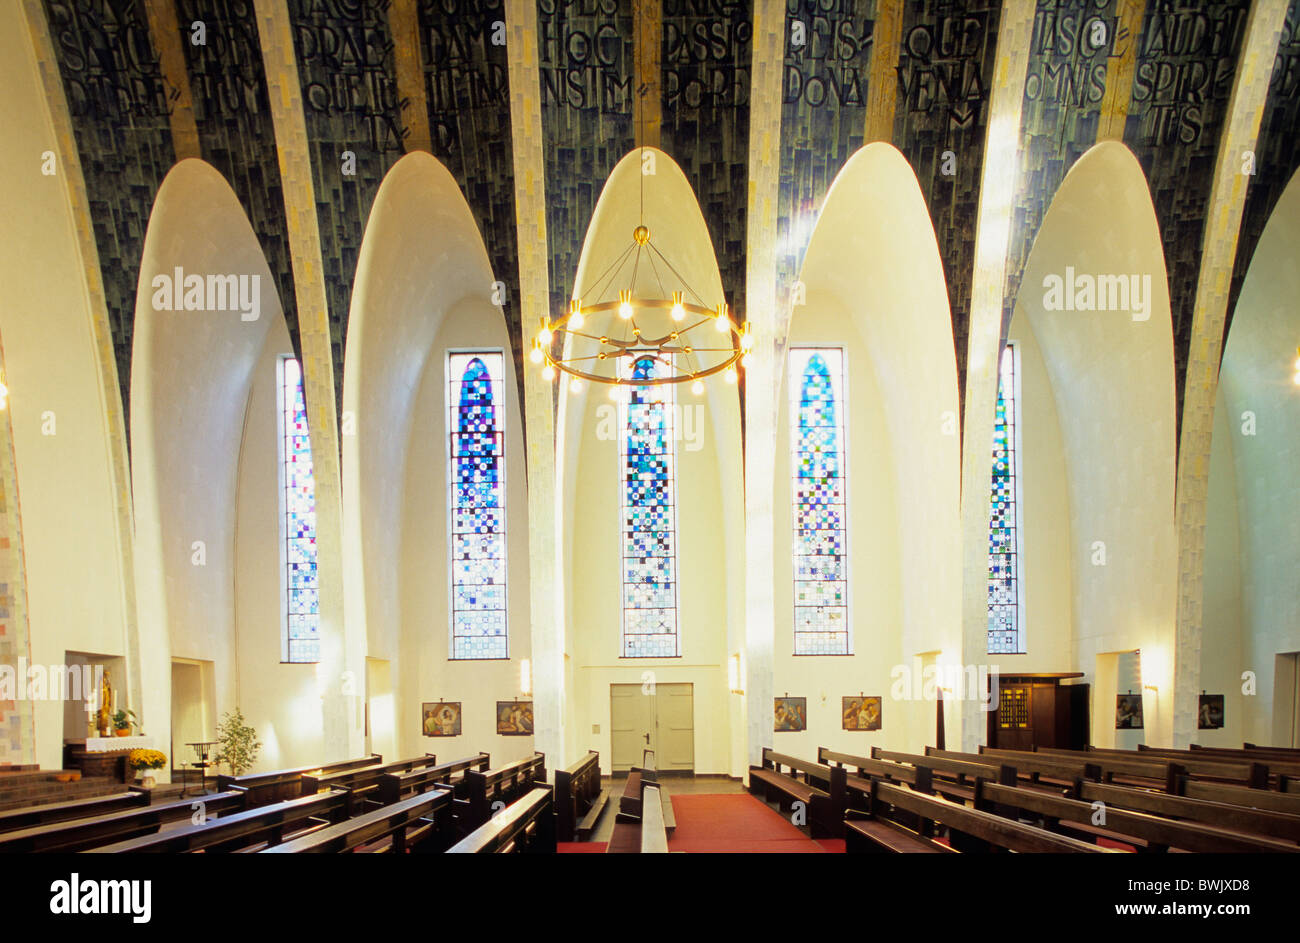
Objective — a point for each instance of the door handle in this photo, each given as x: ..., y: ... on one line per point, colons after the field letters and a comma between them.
x: 647, y: 738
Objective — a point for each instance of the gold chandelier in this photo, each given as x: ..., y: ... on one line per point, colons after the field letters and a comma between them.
x: 600, y: 341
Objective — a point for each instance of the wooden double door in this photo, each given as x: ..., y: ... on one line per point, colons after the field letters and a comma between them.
x: 658, y: 717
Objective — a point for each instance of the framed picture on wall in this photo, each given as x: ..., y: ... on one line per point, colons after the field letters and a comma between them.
x: 1128, y: 712
x: 861, y: 712
x: 441, y: 719
x: 515, y: 718
x: 1210, y: 715
x: 791, y: 714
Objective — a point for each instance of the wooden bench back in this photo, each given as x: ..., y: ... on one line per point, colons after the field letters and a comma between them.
x: 867, y: 767
x: 267, y: 823
x: 1155, y: 770
x: 958, y: 768
x: 1155, y: 830
x: 978, y: 824
x: 81, y: 834
x: 527, y: 826
x: 423, y: 817
x: 287, y: 783
x: 394, y: 786
x: 1251, y: 774
x: 485, y: 787
x: 575, y: 788
x: 815, y: 770
x: 1220, y: 814
x: 363, y: 778
x: 654, y: 836
x: 32, y: 816
x: 1266, y: 799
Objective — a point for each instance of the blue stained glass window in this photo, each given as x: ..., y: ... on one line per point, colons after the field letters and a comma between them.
x: 478, y: 507
x: 1005, y: 635
x: 821, y: 622
x: 302, y: 587
x: 649, y: 510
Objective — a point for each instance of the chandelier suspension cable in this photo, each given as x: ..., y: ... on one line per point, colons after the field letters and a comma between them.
x: 626, y: 327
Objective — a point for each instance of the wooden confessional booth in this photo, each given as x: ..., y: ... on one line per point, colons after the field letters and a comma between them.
x: 1037, y: 710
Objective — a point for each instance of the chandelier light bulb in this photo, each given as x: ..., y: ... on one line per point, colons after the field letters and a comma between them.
x: 545, y: 336
x: 576, y: 318
x: 575, y: 385
x: 697, y: 387
x: 615, y: 393
x: 722, y: 322
x: 548, y: 373
x: 729, y: 375
x: 678, y: 311
x: 625, y: 304
x: 746, y: 339
x: 536, y: 355
x: 744, y: 361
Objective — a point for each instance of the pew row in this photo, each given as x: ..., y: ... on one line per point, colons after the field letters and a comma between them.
x: 421, y: 823
x: 526, y: 826
x: 287, y: 783
x: 264, y: 825
x: 81, y: 834
x: 579, y: 798
x: 822, y: 789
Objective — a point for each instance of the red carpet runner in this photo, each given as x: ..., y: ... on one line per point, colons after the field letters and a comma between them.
x: 738, y: 824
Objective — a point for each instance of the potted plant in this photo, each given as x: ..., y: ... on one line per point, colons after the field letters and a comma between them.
x: 144, y: 762
x: 123, y: 721
x: 237, y: 743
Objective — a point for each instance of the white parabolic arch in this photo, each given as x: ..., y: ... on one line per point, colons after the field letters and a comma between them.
x: 875, y: 284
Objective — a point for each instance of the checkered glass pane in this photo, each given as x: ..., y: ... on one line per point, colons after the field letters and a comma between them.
x: 302, y: 589
x: 821, y: 623
x: 649, y: 532
x: 478, y: 532
x: 1004, y: 560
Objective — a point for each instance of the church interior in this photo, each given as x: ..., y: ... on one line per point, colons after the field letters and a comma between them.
x: 562, y: 426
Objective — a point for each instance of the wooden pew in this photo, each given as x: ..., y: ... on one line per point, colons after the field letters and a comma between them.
x: 877, y: 827
x: 951, y: 778
x: 1220, y: 814
x: 419, y: 822
x: 287, y: 783
x: 80, y: 834
x: 241, y: 831
x: 32, y: 816
x: 484, y: 787
x: 654, y: 835
x: 825, y: 807
x: 1150, y: 831
x: 1130, y: 770
x: 399, y: 785
x: 1254, y: 775
x: 526, y: 826
x: 1266, y: 799
x: 579, y: 798
x: 361, y: 781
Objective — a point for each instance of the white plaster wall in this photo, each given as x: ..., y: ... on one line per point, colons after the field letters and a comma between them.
x: 876, y: 287
x: 428, y: 673
x: 1256, y: 376
x: 710, y: 518
x: 1113, y: 381
x: 424, y: 283
x: 192, y: 373
x: 64, y: 483
x: 282, y: 701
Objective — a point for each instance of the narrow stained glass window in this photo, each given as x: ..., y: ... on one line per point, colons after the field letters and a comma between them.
x: 478, y: 506
x: 302, y: 588
x: 821, y: 620
x: 649, y: 538
x: 1005, y: 635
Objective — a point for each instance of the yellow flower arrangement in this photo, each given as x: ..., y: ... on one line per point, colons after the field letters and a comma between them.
x: 146, y: 759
